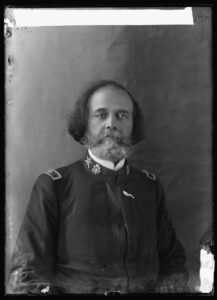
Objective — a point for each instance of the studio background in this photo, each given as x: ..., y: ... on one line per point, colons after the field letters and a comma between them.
x: 168, y: 71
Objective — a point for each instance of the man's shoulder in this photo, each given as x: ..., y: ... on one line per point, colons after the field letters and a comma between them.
x: 60, y: 173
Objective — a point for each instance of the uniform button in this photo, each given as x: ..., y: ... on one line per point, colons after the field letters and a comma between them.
x: 115, y: 293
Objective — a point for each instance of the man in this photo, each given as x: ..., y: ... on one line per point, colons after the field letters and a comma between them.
x: 99, y: 225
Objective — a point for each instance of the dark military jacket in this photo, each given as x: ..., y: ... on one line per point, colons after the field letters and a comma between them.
x: 89, y: 229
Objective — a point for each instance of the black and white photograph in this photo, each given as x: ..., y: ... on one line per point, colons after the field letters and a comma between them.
x: 108, y: 151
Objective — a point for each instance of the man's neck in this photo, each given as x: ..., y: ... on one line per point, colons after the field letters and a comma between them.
x: 107, y: 163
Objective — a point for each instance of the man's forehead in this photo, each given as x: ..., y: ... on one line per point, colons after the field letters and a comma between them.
x: 111, y: 98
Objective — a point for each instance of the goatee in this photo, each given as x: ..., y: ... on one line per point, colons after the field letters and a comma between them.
x: 109, y: 145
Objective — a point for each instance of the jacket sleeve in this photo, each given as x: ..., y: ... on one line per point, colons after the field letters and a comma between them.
x: 172, y: 259
x: 33, y: 260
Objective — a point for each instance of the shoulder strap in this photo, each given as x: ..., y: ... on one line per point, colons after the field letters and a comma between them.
x: 54, y: 174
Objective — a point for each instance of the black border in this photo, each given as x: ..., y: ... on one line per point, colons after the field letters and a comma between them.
x: 100, y: 4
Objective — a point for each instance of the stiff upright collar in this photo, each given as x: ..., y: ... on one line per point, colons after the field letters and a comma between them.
x: 95, y: 168
x: 106, y: 163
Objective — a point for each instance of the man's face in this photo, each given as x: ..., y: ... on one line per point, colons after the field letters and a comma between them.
x: 110, y: 123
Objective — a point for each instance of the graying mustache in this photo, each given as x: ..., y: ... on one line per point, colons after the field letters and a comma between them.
x: 116, y: 135
x: 112, y: 133
x: 117, y: 138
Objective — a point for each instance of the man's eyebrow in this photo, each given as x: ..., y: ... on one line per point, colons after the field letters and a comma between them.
x: 101, y: 109
x: 104, y: 109
x: 123, y: 111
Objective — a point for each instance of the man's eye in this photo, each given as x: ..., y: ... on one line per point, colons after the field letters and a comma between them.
x: 122, y: 116
x: 101, y: 115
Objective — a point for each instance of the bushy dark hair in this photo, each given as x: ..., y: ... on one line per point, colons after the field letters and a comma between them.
x: 78, y: 119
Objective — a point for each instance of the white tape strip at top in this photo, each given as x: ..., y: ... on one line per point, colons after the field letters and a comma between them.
x: 26, y: 17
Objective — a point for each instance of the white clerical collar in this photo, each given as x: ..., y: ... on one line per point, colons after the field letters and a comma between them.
x: 106, y: 163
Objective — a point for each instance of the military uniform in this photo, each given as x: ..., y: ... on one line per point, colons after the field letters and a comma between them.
x: 89, y: 229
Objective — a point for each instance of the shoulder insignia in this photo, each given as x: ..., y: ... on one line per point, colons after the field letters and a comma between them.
x: 54, y: 174
x: 149, y: 175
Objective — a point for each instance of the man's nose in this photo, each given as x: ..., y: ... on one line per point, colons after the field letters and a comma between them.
x: 111, y: 122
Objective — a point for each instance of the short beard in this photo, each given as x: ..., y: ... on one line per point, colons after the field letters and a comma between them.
x: 110, y: 146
